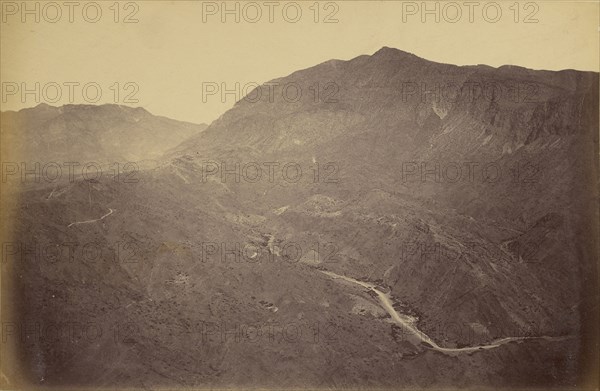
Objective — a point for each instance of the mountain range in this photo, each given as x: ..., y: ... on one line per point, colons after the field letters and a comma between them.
x: 467, y: 194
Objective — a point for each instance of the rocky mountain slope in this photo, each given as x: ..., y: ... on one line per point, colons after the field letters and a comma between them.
x: 488, y: 155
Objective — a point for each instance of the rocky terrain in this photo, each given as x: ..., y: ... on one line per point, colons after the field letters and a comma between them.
x: 467, y: 195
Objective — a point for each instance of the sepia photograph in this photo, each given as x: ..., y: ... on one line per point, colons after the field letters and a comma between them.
x: 299, y: 195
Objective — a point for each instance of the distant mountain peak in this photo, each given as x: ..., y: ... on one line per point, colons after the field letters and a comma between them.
x: 387, y: 51
x: 85, y: 132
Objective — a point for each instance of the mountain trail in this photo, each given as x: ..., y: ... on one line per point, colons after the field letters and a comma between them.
x: 92, y: 221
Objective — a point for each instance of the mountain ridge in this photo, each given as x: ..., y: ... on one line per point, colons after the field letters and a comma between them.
x: 104, y: 133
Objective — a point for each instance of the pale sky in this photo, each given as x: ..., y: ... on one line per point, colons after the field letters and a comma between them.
x: 170, y: 52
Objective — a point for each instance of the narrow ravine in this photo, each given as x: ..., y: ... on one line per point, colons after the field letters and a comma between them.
x: 92, y: 221
x: 418, y: 336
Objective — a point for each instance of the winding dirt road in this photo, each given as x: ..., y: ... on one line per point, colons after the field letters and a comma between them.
x: 419, y: 336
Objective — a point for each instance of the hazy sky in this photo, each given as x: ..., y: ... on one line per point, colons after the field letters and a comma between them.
x: 171, y: 51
